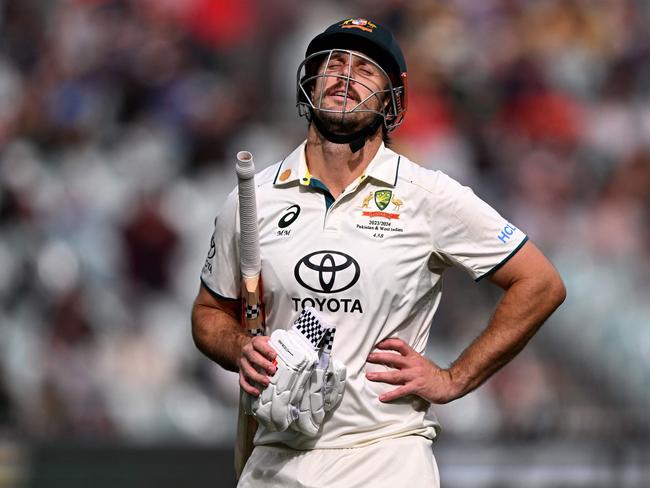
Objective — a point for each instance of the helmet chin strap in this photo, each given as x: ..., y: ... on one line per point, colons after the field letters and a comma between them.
x: 356, y: 140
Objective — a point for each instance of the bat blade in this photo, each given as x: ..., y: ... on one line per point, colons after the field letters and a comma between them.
x: 246, y: 428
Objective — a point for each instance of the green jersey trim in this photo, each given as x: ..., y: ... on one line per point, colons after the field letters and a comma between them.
x: 504, y: 261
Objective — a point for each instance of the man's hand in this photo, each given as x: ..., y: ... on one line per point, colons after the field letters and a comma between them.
x: 415, y: 373
x: 256, y: 365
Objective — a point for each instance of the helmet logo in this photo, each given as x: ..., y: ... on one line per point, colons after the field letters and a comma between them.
x: 363, y: 24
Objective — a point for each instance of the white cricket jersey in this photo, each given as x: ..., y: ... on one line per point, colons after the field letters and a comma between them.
x: 371, y: 261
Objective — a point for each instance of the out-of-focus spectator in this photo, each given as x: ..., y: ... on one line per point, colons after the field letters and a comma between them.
x: 150, y: 245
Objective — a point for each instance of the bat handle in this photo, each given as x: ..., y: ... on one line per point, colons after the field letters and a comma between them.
x: 245, y: 167
x: 252, y: 306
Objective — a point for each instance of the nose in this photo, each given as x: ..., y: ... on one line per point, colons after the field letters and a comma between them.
x: 345, y: 71
x: 339, y: 67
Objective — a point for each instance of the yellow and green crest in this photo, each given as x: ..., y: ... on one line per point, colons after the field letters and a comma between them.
x: 382, y: 198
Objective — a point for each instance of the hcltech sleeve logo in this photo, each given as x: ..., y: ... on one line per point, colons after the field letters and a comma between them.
x: 327, y: 272
x: 211, y: 253
x: 506, y: 233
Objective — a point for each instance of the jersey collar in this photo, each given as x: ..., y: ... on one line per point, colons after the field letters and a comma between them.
x: 293, y: 168
x: 383, y: 168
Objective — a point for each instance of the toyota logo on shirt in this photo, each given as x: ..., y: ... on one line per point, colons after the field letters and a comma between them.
x: 327, y: 271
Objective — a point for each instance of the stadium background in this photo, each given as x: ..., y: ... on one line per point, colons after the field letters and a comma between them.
x: 119, y: 122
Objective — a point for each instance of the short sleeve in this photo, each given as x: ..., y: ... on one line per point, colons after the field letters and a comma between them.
x: 221, y: 271
x: 469, y: 233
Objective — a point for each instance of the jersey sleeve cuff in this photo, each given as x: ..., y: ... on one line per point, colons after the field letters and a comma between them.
x: 214, y: 293
x: 504, y: 261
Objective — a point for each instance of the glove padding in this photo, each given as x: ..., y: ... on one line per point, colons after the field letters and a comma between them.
x: 334, y: 384
x: 324, y: 391
x: 296, y: 349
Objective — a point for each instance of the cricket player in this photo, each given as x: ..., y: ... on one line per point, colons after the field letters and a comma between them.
x: 362, y: 236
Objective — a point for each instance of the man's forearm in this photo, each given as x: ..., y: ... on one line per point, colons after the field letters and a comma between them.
x: 218, y: 335
x: 521, y: 311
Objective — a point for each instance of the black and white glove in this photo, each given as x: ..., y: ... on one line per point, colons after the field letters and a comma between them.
x: 297, y: 354
x: 323, y: 392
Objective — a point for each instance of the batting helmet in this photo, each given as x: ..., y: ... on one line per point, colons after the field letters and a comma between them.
x: 365, y: 37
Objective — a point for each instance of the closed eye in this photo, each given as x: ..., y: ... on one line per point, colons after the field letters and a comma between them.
x: 334, y: 66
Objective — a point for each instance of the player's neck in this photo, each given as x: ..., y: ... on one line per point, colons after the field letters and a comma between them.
x: 335, y: 164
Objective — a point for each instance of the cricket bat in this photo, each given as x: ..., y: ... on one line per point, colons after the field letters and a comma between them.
x: 252, y: 307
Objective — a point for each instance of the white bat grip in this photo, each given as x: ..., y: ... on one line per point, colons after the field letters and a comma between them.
x: 249, y: 240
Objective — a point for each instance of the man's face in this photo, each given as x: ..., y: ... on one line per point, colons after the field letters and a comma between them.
x: 348, y: 92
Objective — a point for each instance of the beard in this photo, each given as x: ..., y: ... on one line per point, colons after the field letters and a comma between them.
x: 346, y: 123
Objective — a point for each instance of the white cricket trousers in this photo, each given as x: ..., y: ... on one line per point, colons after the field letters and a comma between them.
x: 393, y: 463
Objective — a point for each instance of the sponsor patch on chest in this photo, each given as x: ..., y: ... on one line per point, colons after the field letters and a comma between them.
x: 379, y: 214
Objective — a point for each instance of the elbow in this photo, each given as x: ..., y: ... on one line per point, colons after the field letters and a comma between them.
x: 549, y: 290
x: 196, y: 334
x: 556, y: 290
x: 198, y: 330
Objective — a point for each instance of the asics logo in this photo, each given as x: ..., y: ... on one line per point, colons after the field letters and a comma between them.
x: 289, y: 218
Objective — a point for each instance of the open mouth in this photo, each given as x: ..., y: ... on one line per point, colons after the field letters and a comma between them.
x: 341, y: 95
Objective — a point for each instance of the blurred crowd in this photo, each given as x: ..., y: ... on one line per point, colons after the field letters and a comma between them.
x: 119, y: 121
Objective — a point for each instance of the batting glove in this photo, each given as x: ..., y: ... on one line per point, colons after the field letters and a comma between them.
x: 297, y: 355
x: 324, y: 390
